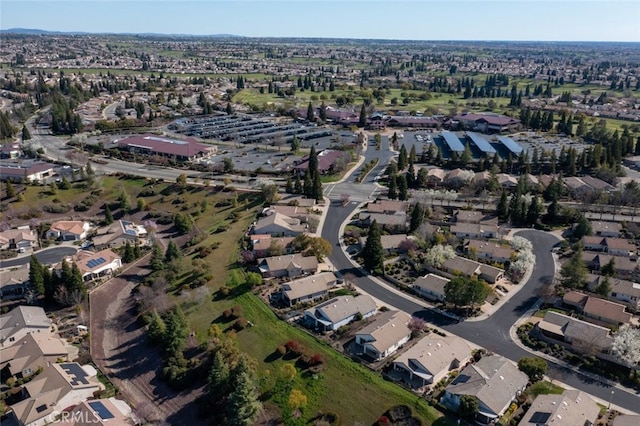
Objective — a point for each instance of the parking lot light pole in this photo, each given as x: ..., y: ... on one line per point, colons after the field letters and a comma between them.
x: 610, y: 399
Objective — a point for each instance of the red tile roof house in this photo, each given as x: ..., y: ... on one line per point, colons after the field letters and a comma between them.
x: 327, y: 161
x: 384, y: 335
x: 177, y: 149
x: 68, y: 230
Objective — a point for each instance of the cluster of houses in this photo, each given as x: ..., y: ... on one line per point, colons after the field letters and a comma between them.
x: 93, y: 265
x: 55, y: 388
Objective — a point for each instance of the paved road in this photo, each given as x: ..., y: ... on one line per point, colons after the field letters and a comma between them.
x: 492, y: 333
x: 47, y: 256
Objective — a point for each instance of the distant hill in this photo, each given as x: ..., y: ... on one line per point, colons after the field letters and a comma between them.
x: 35, y: 31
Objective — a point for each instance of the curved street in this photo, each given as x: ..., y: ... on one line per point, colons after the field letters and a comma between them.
x: 45, y: 256
x: 491, y: 333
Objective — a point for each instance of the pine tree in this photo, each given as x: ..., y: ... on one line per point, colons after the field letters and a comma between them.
x: 297, y: 185
x: 417, y: 217
x: 403, y: 188
x: 36, y: 276
x: 289, y: 186
x: 108, y: 216
x: 172, y: 253
x: 363, y: 116
x: 295, y: 144
x: 157, y: 328
x: 310, y: 114
x: 308, y: 185
x: 373, y: 253
x: 11, y: 192
x: 317, y: 188
x: 219, y: 374
x: 393, y: 187
x: 157, y: 258
x: 128, y: 253
x: 243, y: 405
x: 25, y: 134
x: 402, y: 158
x: 503, y: 206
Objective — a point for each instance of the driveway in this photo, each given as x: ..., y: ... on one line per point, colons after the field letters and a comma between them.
x: 46, y: 256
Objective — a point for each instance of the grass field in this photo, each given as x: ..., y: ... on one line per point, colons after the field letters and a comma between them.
x: 545, y: 388
x: 355, y: 393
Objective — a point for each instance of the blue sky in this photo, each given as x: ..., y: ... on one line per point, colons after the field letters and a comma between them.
x: 566, y: 20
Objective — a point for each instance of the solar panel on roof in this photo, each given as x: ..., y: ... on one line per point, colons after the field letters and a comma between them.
x: 510, y: 144
x: 102, y: 411
x: 78, y: 375
x: 482, y: 144
x: 540, y: 417
x: 130, y: 232
x: 452, y: 140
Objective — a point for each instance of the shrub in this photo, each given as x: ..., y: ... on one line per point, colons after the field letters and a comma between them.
x: 240, y: 324
x: 294, y: 347
x: 281, y: 350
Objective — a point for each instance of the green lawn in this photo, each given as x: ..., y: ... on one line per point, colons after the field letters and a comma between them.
x: 545, y: 388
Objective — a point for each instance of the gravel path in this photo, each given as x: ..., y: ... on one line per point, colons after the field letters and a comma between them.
x: 119, y: 349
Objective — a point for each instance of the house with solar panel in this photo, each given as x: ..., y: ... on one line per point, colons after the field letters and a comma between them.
x: 100, y: 412
x: 118, y: 234
x: 57, y: 388
x: 95, y: 265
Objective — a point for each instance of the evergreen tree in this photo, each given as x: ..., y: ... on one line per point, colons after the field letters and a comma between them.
x: 373, y: 252
x: 172, y: 253
x: 243, y: 404
x: 574, y: 271
x: 36, y: 276
x: 503, y: 206
x: 50, y: 285
x: 295, y: 144
x: 393, y: 187
x: 157, y: 258
x: 317, y: 188
x: 157, y: 328
x: 413, y: 156
x: 25, y: 134
x: 403, y: 188
x: 289, y: 186
x: 402, y: 158
x: 363, y: 116
x: 313, y: 162
x: 76, y: 285
x: 466, y: 156
x: 108, y: 216
x: 533, y: 213
x: 310, y: 114
x: 11, y: 192
x: 308, y: 185
x: 128, y: 253
x: 297, y: 185
x: 417, y: 217
x: 219, y: 374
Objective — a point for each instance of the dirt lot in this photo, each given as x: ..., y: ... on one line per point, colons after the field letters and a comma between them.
x: 119, y: 348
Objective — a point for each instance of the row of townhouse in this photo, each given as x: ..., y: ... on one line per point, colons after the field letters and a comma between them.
x: 29, y: 348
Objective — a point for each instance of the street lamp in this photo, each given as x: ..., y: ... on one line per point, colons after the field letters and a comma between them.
x: 610, y: 398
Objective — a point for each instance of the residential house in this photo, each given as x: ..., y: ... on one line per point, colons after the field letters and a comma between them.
x: 432, y: 358
x: 296, y: 200
x: 20, y: 239
x: 391, y: 244
x: 296, y: 212
x: 606, y: 229
x: 279, y: 225
x: 68, y: 230
x: 489, y: 250
x: 593, y: 242
x: 99, y: 412
x: 579, y: 186
x: 384, y: 335
x: 507, y: 181
x: 470, y: 268
x: 339, y: 311
x: 431, y: 286
x: 468, y: 216
x: 95, y: 265
x: 308, y: 289
x: 290, y: 266
x: 620, y: 247
x: 494, y: 381
x: 624, y: 266
x: 392, y: 222
x: 457, y: 178
x: 31, y: 352
x: 388, y: 207
x: 57, y: 388
x: 436, y: 176
x: 118, y: 234
x: 626, y: 420
x: 21, y: 321
x: 606, y: 312
x: 582, y: 335
x: 571, y: 408
x: 476, y: 231
x: 262, y: 244
x: 622, y: 290
x: 14, y: 283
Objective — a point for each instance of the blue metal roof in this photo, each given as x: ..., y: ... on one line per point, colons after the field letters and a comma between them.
x: 482, y: 144
x: 452, y: 140
x: 511, y: 145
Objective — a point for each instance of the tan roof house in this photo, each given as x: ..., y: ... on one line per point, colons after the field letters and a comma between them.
x: 119, y: 233
x: 432, y: 358
x: 14, y: 283
x: 384, y: 335
x: 571, y: 408
x: 605, y: 311
x: 388, y: 206
x: 308, y: 289
x: 291, y: 266
x: 95, y: 265
x: 339, y: 311
x: 621, y: 290
x: 279, y: 225
x: 32, y: 351
x: 21, y: 321
x: 431, y: 286
x: 494, y: 381
x: 582, y: 335
x: 68, y: 230
x: 16, y: 239
x: 99, y: 412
